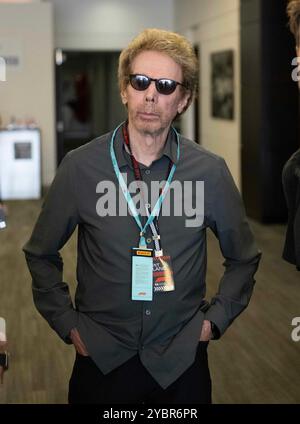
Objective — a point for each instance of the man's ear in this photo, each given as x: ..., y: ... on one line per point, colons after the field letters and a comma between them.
x: 124, y: 97
x: 183, y: 102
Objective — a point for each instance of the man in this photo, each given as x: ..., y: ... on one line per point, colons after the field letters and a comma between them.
x: 141, y: 339
x: 3, y: 213
x: 3, y: 340
x: 3, y: 351
x: 291, y: 170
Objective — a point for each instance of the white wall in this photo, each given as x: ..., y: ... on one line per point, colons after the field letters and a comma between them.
x: 77, y: 25
x: 29, y: 90
x: 215, y: 26
x: 107, y: 24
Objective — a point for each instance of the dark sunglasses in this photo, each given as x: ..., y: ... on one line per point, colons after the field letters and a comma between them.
x: 163, y: 85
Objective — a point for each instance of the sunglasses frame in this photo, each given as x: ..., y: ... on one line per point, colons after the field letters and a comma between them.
x: 156, y: 80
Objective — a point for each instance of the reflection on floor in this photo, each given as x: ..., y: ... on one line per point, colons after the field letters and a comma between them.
x: 255, y: 362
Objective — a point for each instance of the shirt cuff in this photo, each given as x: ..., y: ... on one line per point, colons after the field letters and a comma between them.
x: 64, y: 324
x: 217, y: 316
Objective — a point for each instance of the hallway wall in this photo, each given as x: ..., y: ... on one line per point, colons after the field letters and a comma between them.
x: 107, y: 24
x: 214, y: 25
x: 75, y: 25
x: 26, y: 31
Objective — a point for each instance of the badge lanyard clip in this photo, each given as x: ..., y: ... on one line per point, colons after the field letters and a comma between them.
x: 131, y: 205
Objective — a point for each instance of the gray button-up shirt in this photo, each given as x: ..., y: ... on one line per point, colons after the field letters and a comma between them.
x: 165, y: 331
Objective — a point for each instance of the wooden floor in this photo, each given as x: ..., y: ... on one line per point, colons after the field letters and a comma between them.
x: 255, y: 362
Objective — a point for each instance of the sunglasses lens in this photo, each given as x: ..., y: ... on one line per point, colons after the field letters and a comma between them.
x: 163, y: 85
x: 166, y: 86
x: 139, y: 82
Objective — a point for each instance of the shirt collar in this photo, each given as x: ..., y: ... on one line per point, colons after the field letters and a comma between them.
x: 123, y: 157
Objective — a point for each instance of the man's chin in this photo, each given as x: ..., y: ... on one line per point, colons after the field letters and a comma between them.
x: 151, y: 127
x: 154, y: 132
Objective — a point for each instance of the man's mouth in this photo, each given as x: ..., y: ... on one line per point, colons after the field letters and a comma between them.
x: 148, y: 115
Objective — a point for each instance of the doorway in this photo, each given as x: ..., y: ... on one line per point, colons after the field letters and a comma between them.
x: 88, y: 103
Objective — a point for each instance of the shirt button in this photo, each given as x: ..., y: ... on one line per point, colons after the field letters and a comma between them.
x: 149, y: 240
x: 147, y: 172
x: 148, y: 312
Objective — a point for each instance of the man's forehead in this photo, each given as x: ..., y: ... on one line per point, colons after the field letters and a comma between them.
x: 157, y: 63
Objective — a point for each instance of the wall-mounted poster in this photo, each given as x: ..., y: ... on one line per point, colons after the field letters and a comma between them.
x: 222, y: 83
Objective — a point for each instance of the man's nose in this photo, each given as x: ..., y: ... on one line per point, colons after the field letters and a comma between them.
x: 151, y: 93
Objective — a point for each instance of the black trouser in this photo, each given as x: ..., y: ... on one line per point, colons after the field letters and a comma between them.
x: 132, y: 383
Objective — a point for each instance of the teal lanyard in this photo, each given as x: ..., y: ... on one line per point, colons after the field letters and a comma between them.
x: 156, y: 209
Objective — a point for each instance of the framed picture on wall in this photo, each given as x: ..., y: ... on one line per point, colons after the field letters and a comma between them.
x: 222, y: 84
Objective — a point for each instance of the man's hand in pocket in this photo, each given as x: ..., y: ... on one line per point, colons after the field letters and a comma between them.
x: 206, y: 333
x: 78, y: 343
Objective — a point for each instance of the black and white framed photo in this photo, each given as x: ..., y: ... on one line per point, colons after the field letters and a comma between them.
x: 222, y: 84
